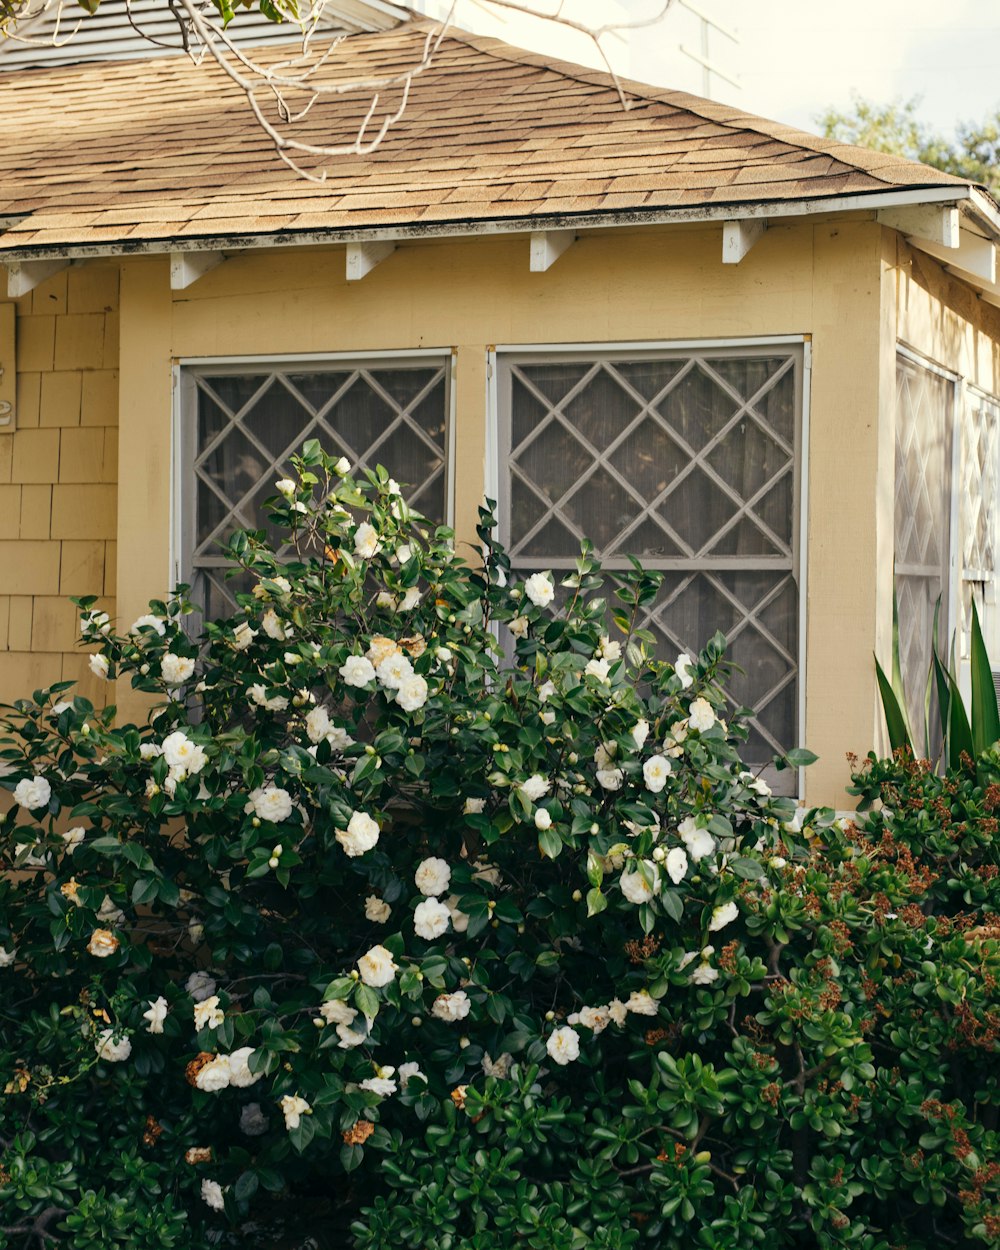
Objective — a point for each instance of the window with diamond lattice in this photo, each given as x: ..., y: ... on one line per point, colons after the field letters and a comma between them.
x: 924, y: 417
x: 243, y: 425
x: 979, y: 500
x: 689, y: 461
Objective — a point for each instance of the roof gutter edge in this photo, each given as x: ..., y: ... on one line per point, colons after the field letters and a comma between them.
x: 969, y: 195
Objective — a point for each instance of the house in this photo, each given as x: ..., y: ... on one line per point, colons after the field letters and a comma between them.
x: 766, y: 363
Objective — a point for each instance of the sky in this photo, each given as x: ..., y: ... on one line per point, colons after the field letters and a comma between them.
x: 797, y: 57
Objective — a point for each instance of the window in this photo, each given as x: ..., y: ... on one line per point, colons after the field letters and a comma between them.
x: 688, y: 459
x: 979, y: 501
x: 243, y: 422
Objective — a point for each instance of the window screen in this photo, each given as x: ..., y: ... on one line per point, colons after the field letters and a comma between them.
x: 688, y: 460
x: 242, y: 425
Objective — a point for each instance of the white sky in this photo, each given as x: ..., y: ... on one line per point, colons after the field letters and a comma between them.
x: 796, y: 57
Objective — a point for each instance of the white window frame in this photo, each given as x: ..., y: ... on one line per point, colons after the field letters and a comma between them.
x: 802, y: 341
x: 184, y: 388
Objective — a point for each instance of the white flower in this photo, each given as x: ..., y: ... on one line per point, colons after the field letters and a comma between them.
x: 272, y: 803
x: 260, y: 591
x: 595, y: 1018
x: 239, y: 1068
x: 366, y: 543
x: 598, y: 669
x: 640, y: 1003
x: 412, y: 693
x: 339, y: 739
x: 636, y: 887
x: 357, y: 671
x: 99, y: 666
x: 535, y: 788
x: 377, y: 910
x: 473, y: 806
x: 243, y: 636
x: 546, y: 690
x: 317, y: 724
x: 349, y: 1038
x: 459, y: 919
x: 176, y: 668
x: 212, y: 1195
x: 73, y: 837
x: 394, y: 670
x: 285, y: 487
x: 376, y: 967
x: 722, y: 915
x: 519, y: 626
x: 293, y: 1108
x: 253, y: 1121
x: 430, y: 919
x: 655, y: 772
x: 700, y: 715
x: 149, y: 751
x: 410, y: 600
x: 618, y: 1012
x: 776, y: 862
x: 610, y: 651
x: 407, y: 1071
x: 94, y: 622
x: 433, y: 876
x: 215, y: 1075
x: 102, y: 943
x: 452, y: 1007
x: 640, y: 732
x: 610, y: 778
x: 704, y: 974
x: 7, y: 957
x: 142, y: 623
x: 156, y: 1014
x: 338, y: 1012
x: 699, y: 842
x: 563, y: 1046
x: 200, y: 986
x: 488, y: 873
x: 32, y: 793
x: 109, y: 1050
x: 272, y: 626
x: 207, y: 1013
x: 257, y: 694
x: 543, y: 819
x: 498, y: 1067
x: 360, y: 835
x: 180, y: 752
x: 539, y: 590
x: 342, y: 467
x: 676, y: 865
x: 682, y: 667
x: 383, y: 1085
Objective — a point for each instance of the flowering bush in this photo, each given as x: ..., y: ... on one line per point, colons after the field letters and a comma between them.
x: 383, y: 931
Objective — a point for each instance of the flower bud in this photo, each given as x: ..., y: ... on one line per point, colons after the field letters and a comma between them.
x: 276, y: 851
x: 416, y: 1021
x: 273, y: 862
x: 577, y: 896
x: 463, y: 1042
x: 659, y: 854
x: 550, y: 1015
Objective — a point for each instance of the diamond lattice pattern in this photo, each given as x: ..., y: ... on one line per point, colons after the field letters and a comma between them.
x: 688, y: 462
x: 249, y: 424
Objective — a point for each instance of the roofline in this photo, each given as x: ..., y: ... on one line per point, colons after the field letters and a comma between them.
x: 975, y: 200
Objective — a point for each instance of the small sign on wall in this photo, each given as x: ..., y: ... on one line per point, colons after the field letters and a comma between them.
x: 8, y: 375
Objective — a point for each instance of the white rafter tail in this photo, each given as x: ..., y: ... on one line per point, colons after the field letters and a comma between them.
x: 24, y: 275
x: 975, y: 257
x: 187, y: 267
x: 363, y: 257
x: 738, y: 237
x: 547, y: 246
x: 939, y: 224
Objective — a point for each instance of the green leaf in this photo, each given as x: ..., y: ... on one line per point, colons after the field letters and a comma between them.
x: 985, y: 716
x: 895, y: 717
x: 549, y: 843
x: 959, y: 731
x: 596, y: 902
x: 366, y: 1000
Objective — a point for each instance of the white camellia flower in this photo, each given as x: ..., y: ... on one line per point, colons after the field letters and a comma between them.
x: 156, y: 1014
x: 102, y: 943
x: 215, y: 1075
x: 253, y: 1121
x: 243, y: 636
x: 410, y: 600
x: 394, y: 670
x: 376, y: 967
x: 610, y: 651
x: 518, y: 626
x: 349, y: 1038
x: 208, y: 1014
x: 360, y: 835
x: 240, y: 1075
x: 722, y: 915
x: 452, y: 1007
x: 610, y: 778
x: 535, y: 788
x: 540, y: 590
x: 338, y: 1012
x: 431, y: 918
x: 258, y: 694
x: 473, y: 807
x: 366, y: 543
x: 676, y: 865
x: 109, y: 1050
x: 7, y: 957
x: 382, y: 1083
x: 407, y: 1071
x: 655, y: 772
x: 704, y: 974
x: 433, y: 876
x: 594, y: 1018
x: 342, y: 467
x: 546, y: 690
x: 73, y: 837
x: 180, y: 752
x: 700, y: 715
x: 380, y: 648
x: 459, y: 919
x: 377, y: 910
x: 357, y: 671
x: 598, y: 669
x: 293, y: 1108
x: 176, y: 669
x: 640, y: 732
x: 200, y: 985
x: 95, y: 622
x: 682, y: 667
x: 317, y: 724
x: 641, y: 1003
x: 149, y: 751
x: 141, y: 624
x: 699, y: 842
x: 99, y: 666
x: 212, y: 1195
x: 285, y: 487
x: 272, y: 803
x: 638, y: 888
x: 618, y: 1012
x: 272, y: 626
x: 563, y: 1046
x: 543, y: 819
x: 32, y: 793
x: 412, y: 693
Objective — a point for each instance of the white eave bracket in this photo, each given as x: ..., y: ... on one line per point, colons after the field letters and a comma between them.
x: 363, y: 257
x: 937, y: 223
x: 547, y: 246
x: 24, y: 275
x: 187, y: 267
x: 738, y: 237
x: 974, y: 257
